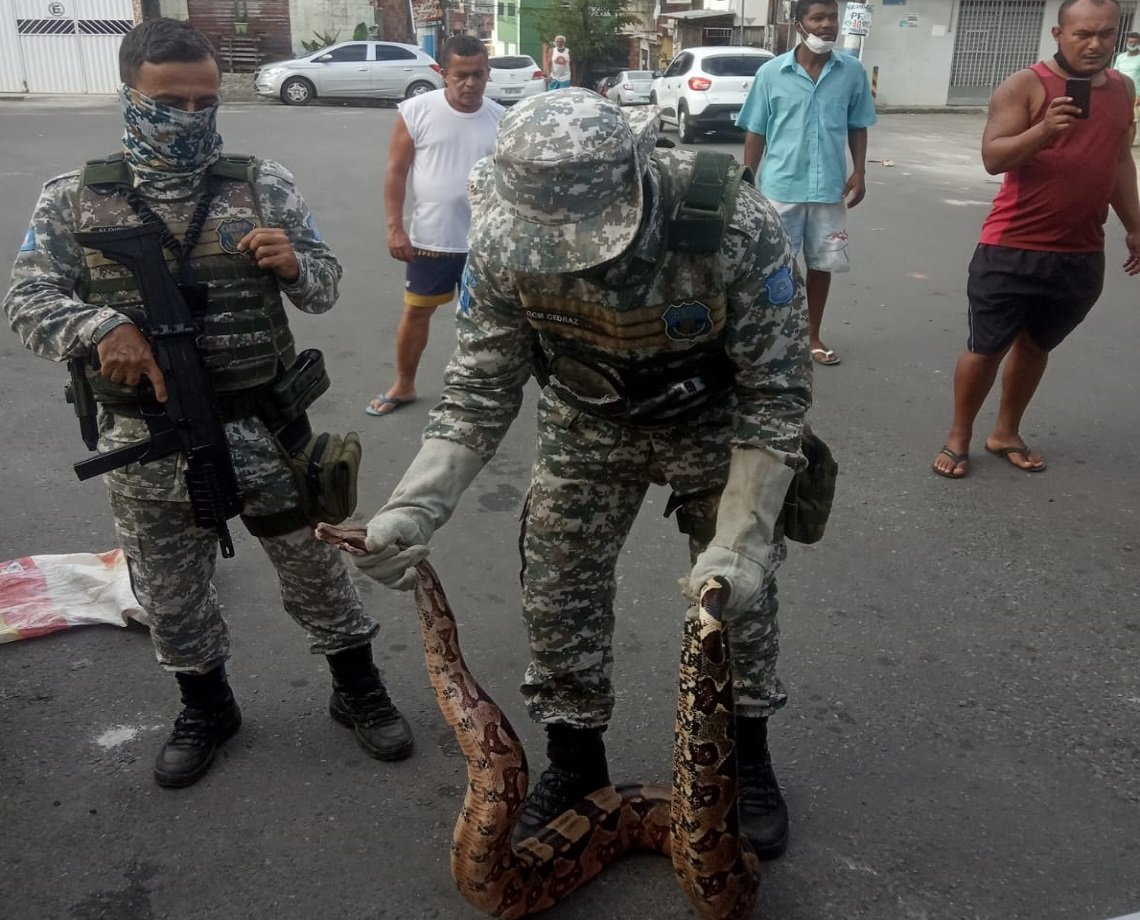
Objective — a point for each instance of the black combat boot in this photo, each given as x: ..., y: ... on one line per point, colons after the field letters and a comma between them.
x: 209, y: 716
x: 360, y: 701
x: 577, y: 768
x: 763, y: 814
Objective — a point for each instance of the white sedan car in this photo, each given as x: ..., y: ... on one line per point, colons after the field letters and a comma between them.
x: 514, y: 77
x: 631, y: 87
x: 351, y: 70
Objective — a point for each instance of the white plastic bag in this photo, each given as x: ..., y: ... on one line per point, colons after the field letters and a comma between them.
x: 42, y: 594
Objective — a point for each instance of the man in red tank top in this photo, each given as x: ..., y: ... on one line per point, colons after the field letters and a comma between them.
x: 1039, y: 266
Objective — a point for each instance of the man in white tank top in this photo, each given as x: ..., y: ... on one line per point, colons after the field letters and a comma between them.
x: 558, y: 67
x: 438, y: 137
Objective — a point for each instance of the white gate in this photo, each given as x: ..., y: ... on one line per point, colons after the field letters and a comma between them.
x: 62, y: 46
x: 993, y: 39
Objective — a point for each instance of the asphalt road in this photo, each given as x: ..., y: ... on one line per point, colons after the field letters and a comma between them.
x: 961, y: 740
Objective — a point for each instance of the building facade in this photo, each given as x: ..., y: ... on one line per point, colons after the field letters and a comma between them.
x: 922, y: 53
x: 931, y: 53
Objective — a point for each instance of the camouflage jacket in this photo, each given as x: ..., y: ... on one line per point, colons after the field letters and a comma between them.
x: 44, y: 312
x: 763, y: 336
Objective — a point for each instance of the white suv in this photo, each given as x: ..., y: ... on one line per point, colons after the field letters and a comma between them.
x: 703, y: 89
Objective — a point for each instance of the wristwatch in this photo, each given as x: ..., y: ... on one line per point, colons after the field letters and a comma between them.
x: 109, y: 319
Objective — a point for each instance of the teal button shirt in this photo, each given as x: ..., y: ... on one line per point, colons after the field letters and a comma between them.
x: 1129, y: 65
x: 805, y: 125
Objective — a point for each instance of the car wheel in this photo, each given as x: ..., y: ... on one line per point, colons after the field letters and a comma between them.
x: 418, y: 89
x: 684, y: 126
x: 297, y: 91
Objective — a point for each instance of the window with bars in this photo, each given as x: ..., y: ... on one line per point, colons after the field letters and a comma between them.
x: 1127, y: 22
x: 993, y: 39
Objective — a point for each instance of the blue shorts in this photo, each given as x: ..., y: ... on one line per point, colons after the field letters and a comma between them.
x: 558, y: 84
x: 431, y: 278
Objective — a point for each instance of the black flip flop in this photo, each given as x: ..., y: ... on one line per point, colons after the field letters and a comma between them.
x: 958, y: 459
x: 1020, y: 451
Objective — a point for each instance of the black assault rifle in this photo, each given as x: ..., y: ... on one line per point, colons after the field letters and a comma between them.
x: 188, y: 421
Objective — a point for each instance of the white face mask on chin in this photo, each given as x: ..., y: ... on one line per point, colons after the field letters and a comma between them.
x: 817, y: 45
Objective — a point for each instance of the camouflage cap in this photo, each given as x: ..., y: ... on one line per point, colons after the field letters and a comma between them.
x: 563, y: 191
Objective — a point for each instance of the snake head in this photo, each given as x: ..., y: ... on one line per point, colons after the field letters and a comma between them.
x: 714, y: 596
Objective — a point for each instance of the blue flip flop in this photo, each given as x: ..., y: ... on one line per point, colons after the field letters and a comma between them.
x: 387, y: 401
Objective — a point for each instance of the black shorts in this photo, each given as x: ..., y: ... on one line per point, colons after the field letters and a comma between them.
x: 1047, y: 294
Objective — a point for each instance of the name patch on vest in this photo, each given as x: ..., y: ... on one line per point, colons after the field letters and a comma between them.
x: 781, y: 287
x: 231, y: 232
x: 546, y: 316
x: 687, y: 321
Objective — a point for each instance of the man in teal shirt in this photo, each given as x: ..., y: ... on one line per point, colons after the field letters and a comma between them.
x: 803, y: 107
x: 1128, y: 61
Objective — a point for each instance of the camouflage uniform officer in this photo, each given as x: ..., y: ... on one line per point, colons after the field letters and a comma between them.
x: 255, y: 240
x: 664, y: 362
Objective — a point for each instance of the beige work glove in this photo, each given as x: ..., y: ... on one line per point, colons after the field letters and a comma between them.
x: 423, y: 501
x: 744, y: 552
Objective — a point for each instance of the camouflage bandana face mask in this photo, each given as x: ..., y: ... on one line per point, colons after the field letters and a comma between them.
x: 169, y: 150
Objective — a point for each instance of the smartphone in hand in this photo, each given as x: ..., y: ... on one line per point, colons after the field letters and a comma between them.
x: 1080, y: 90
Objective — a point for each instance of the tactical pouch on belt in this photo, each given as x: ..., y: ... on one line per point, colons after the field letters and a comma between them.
x: 645, y: 394
x: 324, y: 466
x: 295, y: 390
x: 808, y: 502
x: 325, y: 469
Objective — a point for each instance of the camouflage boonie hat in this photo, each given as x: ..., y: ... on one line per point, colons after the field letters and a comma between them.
x: 563, y: 190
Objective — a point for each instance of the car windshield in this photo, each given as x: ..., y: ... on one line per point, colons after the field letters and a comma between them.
x: 511, y: 62
x: 733, y: 65
x: 639, y: 75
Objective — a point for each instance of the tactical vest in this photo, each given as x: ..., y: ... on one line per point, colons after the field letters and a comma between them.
x: 245, y: 333
x: 652, y: 352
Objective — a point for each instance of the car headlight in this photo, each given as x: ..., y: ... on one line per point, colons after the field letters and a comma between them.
x: 270, y: 71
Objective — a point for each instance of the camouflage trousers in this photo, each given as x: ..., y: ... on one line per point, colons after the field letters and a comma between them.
x: 171, y: 562
x: 589, y: 480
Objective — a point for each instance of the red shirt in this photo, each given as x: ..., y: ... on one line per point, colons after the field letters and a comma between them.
x: 1058, y: 201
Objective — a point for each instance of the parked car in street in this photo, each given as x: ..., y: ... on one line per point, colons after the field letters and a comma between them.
x: 631, y: 87
x: 514, y: 77
x: 350, y: 70
x: 703, y: 89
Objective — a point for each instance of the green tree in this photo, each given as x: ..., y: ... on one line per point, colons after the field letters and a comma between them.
x: 592, y: 30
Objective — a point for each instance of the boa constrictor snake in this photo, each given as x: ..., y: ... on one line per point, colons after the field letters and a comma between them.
x: 695, y: 823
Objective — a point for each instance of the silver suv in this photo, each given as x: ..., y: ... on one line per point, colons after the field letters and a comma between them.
x: 703, y: 88
x: 351, y: 70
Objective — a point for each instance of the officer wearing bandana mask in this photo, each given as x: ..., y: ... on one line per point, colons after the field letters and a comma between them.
x: 239, y: 227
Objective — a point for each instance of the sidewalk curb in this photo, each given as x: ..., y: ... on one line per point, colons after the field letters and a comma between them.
x: 977, y: 110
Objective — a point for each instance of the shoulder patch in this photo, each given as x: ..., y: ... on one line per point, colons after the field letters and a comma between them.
x: 311, y: 226
x: 29, y: 243
x: 467, y: 284
x: 781, y: 286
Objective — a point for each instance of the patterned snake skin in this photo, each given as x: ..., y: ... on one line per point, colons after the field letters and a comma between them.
x: 713, y: 862
x: 696, y: 824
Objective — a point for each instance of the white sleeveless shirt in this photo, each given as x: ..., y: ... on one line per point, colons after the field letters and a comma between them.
x: 447, y: 144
